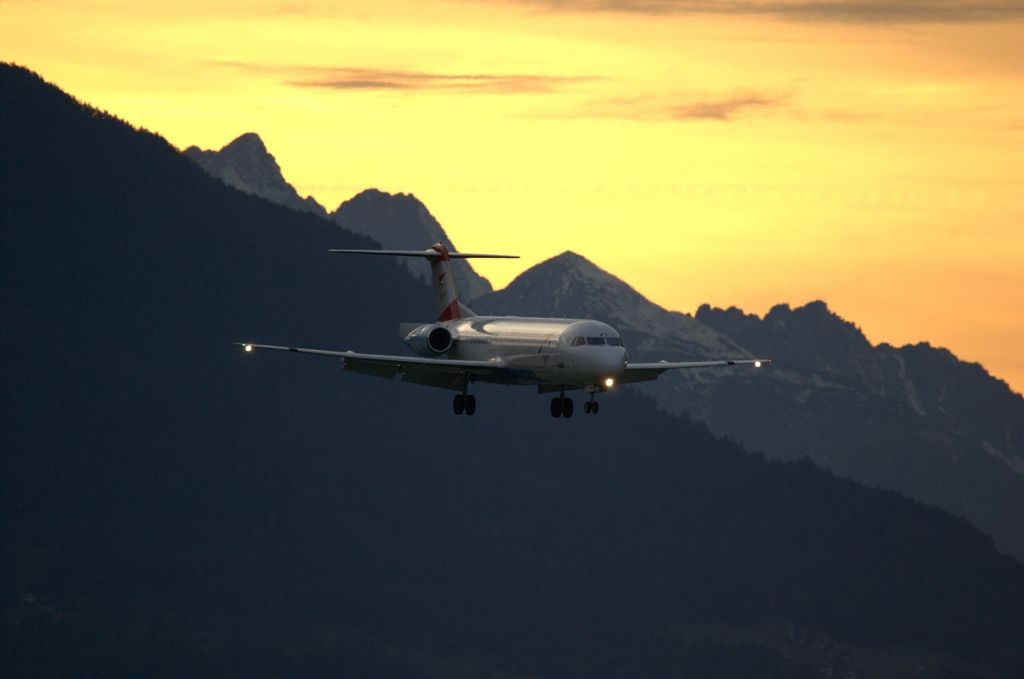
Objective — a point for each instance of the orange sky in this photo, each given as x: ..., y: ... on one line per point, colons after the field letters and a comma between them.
x: 745, y: 153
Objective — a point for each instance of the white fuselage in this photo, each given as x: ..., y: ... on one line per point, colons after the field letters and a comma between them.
x: 555, y: 351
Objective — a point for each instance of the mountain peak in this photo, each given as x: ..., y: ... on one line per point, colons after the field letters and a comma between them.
x: 813, y: 309
x: 813, y: 316
x: 247, y: 138
x: 374, y: 198
x: 245, y: 164
x: 811, y: 335
x: 402, y: 221
x: 816, y: 317
x: 249, y: 143
x: 572, y: 261
x: 571, y: 279
x: 570, y: 285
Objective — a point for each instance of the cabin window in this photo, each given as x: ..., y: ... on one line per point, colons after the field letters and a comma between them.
x: 595, y: 340
x: 577, y: 342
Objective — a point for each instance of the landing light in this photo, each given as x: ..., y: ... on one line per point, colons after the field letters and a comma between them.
x: 609, y: 382
x: 247, y: 347
x: 757, y: 364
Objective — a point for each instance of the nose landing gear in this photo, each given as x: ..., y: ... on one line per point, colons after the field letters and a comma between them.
x: 562, y: 406
x: 591, y: 407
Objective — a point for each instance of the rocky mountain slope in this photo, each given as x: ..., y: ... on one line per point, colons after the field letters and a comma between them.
x: 913, y: 419
x: 245, y: 164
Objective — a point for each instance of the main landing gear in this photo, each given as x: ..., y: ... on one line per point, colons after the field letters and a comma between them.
x: 562, y: 406
x: 464, y: 402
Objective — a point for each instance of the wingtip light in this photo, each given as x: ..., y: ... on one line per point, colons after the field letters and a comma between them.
x: 247, y: 348
x: 757, y: 364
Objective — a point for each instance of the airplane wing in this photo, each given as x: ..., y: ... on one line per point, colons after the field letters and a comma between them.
x: 437, y: 372
x: 643, y: 372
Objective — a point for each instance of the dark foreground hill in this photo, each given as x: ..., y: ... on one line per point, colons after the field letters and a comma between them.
x: 173, y: 507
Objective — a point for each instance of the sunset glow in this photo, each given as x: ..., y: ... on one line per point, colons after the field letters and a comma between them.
x: 860, y: 152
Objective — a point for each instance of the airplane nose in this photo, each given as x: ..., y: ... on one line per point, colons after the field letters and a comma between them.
x: 614, y: 363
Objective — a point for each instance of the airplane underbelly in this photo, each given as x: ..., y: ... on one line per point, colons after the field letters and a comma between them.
x: 539, y: 364
x: 533, y: 367
x: 555, y: 369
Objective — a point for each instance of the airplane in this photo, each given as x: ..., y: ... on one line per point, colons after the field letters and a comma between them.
x: 556, y: 355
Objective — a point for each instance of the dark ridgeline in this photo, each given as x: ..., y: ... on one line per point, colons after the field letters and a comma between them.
x: 397, y: 221
x: 173, y: 507
x: 912, y: 419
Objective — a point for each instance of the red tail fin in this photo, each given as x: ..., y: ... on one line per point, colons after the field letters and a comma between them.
x: 444, y: 284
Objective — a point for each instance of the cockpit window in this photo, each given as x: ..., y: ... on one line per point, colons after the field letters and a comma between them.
x: 577, y: 341
x: 595, y: 340
x: 615, y: 341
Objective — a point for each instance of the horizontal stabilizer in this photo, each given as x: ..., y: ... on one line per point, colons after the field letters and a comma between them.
x: 405, y: 328
x: 449, y: 308
x: 429, y: 253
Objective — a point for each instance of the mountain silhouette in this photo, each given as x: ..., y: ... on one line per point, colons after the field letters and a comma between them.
x: 396, y: 221
x: 175, y: 507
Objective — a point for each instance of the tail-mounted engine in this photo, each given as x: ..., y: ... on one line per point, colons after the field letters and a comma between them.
x: 430, y: 340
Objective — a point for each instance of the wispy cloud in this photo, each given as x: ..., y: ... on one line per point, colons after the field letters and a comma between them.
x: 839, y: 11
x: 723, y: 108
x: 353, y: 78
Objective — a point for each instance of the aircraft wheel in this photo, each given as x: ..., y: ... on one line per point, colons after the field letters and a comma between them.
x: 594, y: 408
x: 459, y: 404
x: 470, y: 404
x: 556, y: 407
x: 587, y: 407
x: 567, y: 407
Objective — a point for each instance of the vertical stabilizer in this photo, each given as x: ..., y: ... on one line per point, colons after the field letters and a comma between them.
x: 448, y: 307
